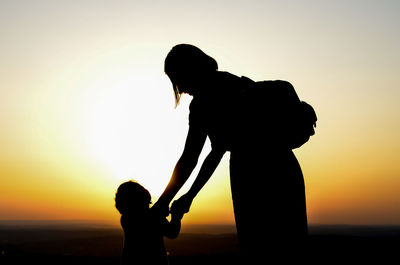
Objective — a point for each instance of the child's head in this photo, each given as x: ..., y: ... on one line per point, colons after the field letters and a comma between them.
x: 132, y: 197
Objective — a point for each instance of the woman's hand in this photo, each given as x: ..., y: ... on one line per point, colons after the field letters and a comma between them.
x: 183, y: 203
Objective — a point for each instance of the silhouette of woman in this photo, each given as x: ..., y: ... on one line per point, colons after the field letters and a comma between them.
x: 266, y: 179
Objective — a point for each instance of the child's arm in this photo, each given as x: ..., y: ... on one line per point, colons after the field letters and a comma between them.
x: 174, y: 226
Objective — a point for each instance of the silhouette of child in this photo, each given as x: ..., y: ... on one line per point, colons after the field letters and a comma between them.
x: 143, y: 228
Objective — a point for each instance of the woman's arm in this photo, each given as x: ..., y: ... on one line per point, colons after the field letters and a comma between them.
x: 207, y: 169
x: 182, y: 205
x: 187, y: 162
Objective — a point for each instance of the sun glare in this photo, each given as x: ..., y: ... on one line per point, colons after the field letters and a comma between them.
x: 125, y: 128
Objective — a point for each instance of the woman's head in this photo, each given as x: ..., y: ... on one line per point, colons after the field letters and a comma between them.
x: 185, y: 66
x: 132, y: 197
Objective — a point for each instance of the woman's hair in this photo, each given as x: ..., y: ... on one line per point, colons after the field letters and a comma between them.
x: 184, y: 60
x: 131, y: 194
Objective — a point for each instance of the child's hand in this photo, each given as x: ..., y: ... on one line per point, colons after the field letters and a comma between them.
x: 176, y: 210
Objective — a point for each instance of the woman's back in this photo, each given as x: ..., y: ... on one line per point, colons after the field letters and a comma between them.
x: 233, y: 111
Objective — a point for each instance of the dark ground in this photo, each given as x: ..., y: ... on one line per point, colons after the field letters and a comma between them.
x: 82, y: 245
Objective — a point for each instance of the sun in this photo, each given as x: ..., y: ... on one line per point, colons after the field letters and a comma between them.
x: 130, y: 128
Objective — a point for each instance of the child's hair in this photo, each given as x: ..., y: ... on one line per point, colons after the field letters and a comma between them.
x: 131, y: 194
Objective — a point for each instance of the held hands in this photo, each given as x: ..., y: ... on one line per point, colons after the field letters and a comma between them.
x: 182, y: 205
x: 176, y: 212
x: 178, y: 208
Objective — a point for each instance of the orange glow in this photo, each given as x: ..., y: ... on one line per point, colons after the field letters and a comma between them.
x: 85, y: 105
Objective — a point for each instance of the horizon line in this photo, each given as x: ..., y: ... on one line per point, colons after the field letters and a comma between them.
x: 110, y: 223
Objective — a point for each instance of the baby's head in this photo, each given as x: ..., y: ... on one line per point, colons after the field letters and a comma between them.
x: 131, y: 197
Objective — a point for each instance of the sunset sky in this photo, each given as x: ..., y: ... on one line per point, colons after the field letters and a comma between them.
x: 85, y: 104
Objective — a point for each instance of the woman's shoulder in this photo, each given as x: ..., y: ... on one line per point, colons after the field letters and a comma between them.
x: 228, y: 83
x: 195, y: 104
x: 197, y: 112
x: 223, y: 85
x: 222, y: 76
